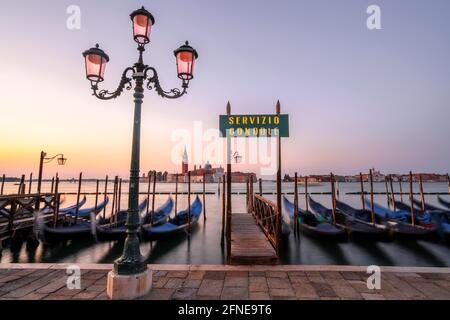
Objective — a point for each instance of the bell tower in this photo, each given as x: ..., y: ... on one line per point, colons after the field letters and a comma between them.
x: 185, y: 163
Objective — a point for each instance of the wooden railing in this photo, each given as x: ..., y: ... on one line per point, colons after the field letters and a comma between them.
x: 268, y: 218
x: 17, y: 208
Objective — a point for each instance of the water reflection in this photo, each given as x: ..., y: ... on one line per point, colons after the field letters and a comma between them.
x: 162, y: 246
x: 420, y: 252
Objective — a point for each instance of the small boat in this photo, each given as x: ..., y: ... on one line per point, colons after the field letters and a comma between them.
x: 444, y: 202
x: 424, y: 219
x: 353, y: 225
x: 428, y: 207
x: 86, y: 213
x: 312, y: 223
x: 160, y: 215
x: 82, y: 228
x: 117, y: 231
x: 361, y: 221
x: 399, y: 222
x: 66, y: 209
x: 177, y: 224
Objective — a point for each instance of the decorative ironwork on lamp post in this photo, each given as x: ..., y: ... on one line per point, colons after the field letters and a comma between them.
x: 131, y: 261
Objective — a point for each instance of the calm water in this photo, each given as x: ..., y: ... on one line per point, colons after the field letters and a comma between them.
x: 203, y: 246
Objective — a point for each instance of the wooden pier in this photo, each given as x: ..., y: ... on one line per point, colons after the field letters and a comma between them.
x: 253, y: 237
x: 249, y: 244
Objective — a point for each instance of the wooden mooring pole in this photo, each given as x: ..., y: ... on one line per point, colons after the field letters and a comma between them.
x: 3, y: 184
x: 400, y: 187
x: 78, y: 197
x: 306, y: 194
x: 388, y: 197
x: 113, y: 204
x: 176, y: 194
x: 260, y: 187
x: 296, y: 203
x: 204, y: 197
x: 29, y: 184
x: 333, y: 198
x: 413, y: 222
x: 120, y: 194
x: 337, y: 188
x: 247, y: 191
x: 22, y: 181
x: 153, y: 197
x: 147, y: 211
x: 105, y: 195
x: 422, y: 196
x: 53, y: 185
x: 222, y: 237
x: 372, y: 213
x: 392, y: 193
x: 189, y: 202
x: 251, y: 194
x: 362, y: 191
x: 96, y: 194
x: 56, y: 203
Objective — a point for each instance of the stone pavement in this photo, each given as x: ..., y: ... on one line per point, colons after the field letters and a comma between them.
x: 187, y: 282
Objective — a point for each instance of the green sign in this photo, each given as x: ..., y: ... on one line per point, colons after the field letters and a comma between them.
x: 264, y: 125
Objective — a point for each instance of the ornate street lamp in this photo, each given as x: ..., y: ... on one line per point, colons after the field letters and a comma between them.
x: 237, y: 157
x: 44, y: 159
x: 131, y: 262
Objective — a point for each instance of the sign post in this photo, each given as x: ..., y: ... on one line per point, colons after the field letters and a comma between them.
x: 261, y: 126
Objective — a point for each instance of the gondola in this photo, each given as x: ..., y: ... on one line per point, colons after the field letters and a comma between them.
x: 400, y: 223
x: 313, y: 224
x: 424, y: 219
x: 160, y: 215
x: 86, y: 213
x: 175, y: 225
x: 353, y: 225
x: 444, y: 202
x: 117, y: 231
x: 65, y: 210
x: 428, y: 207
x: 82, y: 228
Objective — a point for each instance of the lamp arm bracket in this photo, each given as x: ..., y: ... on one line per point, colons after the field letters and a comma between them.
x: 153, y: 83
x: 50, y: 159
x: 125, y: 83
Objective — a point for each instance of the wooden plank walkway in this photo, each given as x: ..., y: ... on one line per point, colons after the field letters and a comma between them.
x: 249, y: 245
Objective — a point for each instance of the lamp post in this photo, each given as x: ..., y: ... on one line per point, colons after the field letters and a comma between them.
x: 237, y: 157
x: 44, y: 159
x: 131, y: 262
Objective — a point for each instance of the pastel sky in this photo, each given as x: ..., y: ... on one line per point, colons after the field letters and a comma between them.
x: 357, y: 98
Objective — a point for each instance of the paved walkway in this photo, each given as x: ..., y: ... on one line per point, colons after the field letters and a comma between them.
x: 48, y: 281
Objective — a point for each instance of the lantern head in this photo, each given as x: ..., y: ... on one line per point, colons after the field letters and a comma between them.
x: 186, y: 56
x: 95, y: 62
x: 142, y: 25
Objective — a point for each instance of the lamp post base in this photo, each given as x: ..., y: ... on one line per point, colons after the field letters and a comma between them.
x: 127, y: 287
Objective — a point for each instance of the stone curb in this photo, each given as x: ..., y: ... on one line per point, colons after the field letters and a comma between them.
x: 206, y: 267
